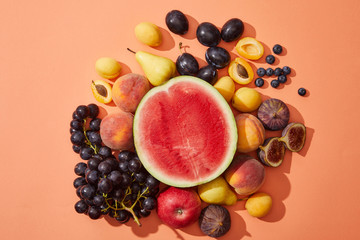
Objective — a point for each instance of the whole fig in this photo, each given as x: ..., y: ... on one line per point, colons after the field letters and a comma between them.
x: 274, y: 114
x: 215, y: 221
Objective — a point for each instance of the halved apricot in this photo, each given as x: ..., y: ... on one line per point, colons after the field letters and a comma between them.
x: 240, y: 71
x: 250, y: 48
x: 101, y: 91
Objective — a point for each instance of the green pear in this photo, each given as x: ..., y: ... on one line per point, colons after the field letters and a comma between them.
x: 157, y: 69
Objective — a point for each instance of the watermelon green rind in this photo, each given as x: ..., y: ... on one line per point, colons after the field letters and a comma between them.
x: 227, y: 113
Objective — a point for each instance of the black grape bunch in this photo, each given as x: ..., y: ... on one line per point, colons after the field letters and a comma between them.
x: 118, y: 187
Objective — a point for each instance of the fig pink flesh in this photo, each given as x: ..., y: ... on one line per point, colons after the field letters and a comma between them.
x: 186, y: 130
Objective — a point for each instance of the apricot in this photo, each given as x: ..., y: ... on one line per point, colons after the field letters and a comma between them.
x: 128, y: 91
x: 250, y: 48
x: 101, y: 91
x: 241, y: 71
x: 108, y: 68
x: 259, y: 204
x: 246, y: 99
x: 245, y: 174
x: 148, y: 33
x: 116, y: 130
x: 251, y: 132
x: 226, y: 87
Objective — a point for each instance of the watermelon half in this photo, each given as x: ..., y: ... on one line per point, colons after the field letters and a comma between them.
x: 185, y: 132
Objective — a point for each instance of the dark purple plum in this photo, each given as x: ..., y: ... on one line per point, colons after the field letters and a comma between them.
x: 186, y: 64
x: 208, y: 34
x: 217, y: 56
x: 208, y: 73
x: 232, y: 30
x: 177, y: 22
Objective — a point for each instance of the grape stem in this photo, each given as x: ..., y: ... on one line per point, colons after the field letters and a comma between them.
x: 87, y: 141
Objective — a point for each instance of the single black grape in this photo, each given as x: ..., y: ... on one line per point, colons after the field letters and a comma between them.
x: 275, y: 83
x: 208, y: 73
x: 87, y: 170
x: 117, y: 194
x: 105, y: 151
x: 95, y: 124
x: 98, y: 200
x: 93, y: 163
x: 123, y: 166
x: 78, y: 192
x: 140, y: 177
x: 105, y: 185
x: 92, y: 177
x: 93, y: 110
x: 76, y: 116
x: 232, y: 30
x: 151, y: 182
x: 269, y: 72
x: 208, y: 34
x: 270, y: 59
x: 286, y: 70
x: 72, y: 130
x: 76, y: 124
x: 282, y: 79
x: 77, y: 138
x: 277, y: 49
x: 82, y: 111
x: 149, y: 203
x: 122, y: 216
x: 302, y: 91
x: 94, y: 212
x: 104, y: 168
x: 218, y: 57
x: 115, y: 177
x: 135, y: 187
x: 86, y: 152
x: 186, y: 64
x: 144, y: 212
x: 113, y: 162
x: 126, y: 180
x: 259, y: 82
x: 95, y: 138
x: 88, y: 191
x: 261, y: 72
x: 134, y: 165
x: 177, y: 22
x: 126, y: 155
x: 81, y: 206
x: 79, y: 181
x: 76, y: 148
x: 277, y: 71
x: 80, y: 169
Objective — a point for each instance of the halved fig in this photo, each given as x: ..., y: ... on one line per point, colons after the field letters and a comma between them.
x: 293, y: 136
x: 274, y: 114
x: 272, y: 152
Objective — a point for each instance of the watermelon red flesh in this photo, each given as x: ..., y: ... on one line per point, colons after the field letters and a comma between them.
x: 183, y: 134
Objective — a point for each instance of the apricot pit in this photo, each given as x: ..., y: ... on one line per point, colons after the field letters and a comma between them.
x: 240, y: 71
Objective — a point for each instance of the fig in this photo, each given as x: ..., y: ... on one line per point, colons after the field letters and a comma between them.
x: 274, y: 114
x: 214, y: 220
x: 293, y: 136
x: 272, y: 152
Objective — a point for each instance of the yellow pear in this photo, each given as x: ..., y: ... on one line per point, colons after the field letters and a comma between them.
x: 217, y: 191
x: 226, y: 87
x: 156, y: 68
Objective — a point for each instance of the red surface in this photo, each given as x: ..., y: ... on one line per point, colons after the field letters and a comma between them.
x: 48, y: 51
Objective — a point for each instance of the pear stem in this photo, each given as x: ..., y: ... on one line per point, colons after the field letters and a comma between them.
x: 131, y: 50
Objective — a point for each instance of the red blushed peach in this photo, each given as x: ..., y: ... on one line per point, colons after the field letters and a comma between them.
x: 116, y: 130
x: 245, y: 174
x: 128, y: 90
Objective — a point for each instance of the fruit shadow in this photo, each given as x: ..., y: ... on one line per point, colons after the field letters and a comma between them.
x: 102, y: 112
x: 193, y: 24
x: 249, y: 31
x: 167, y: 42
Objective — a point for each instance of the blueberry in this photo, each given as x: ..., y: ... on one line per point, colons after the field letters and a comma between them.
x: 277, y: 49
x: 282, y: 79
x: 261, y: 72
x: 302, y: 91
x: 286, y: 70
x: 277, y: 71
x: 259, y: 82
x: 275, y: 83
x: 270, y: 59
x: 269, y: 72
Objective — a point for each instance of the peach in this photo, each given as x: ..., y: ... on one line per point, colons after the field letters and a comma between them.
x: 245, y: 174
x: 251, y: 132
x: 116, y: 130
x: 128, y: 91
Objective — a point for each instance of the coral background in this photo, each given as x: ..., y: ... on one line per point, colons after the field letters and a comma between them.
x: 47, y: 55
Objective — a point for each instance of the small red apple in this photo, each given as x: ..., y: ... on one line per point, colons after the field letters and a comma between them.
x: 178, y: 207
